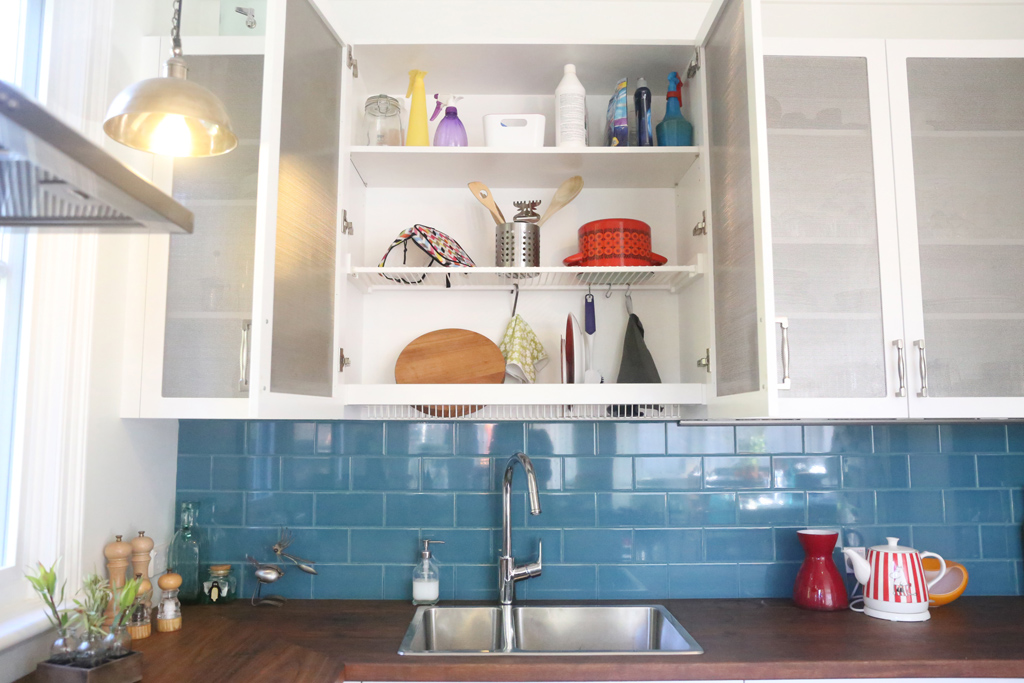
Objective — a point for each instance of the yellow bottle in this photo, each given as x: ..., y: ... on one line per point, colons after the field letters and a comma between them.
x: 419, y: 134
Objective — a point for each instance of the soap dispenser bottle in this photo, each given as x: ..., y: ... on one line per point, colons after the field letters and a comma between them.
x: 450, y: 132
x: 426, y: 579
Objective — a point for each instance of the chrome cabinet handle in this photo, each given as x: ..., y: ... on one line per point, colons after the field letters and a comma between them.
x: 784, y: 322
x: 923, y: 365
x: 901, y: 364
x: 243, y: 357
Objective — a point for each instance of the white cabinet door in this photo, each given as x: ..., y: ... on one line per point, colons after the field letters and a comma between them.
x: 199, y: 290
x: 240, y: 318
x: 835, y: 252
x: 294, y: 351
x: 958, y: 134
x: 743, y: 351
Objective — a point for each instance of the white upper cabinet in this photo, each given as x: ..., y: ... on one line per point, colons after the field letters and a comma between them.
x: 958, y: 132
x: 835, y: 276
x: 240, y: 321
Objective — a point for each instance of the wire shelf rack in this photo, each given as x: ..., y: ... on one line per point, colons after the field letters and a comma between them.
x: 663, y: 278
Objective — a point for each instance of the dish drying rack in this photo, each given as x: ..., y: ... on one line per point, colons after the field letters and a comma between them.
x: 666, y: 278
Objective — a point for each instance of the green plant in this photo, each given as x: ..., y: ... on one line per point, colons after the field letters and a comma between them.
x: 44, y: 582
x: 88, y: 614
x: 124, y: 599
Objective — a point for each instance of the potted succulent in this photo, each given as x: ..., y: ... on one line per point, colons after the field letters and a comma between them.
x: 103, y: 649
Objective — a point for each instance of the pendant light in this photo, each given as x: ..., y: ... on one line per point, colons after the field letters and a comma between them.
x: 171, y: 115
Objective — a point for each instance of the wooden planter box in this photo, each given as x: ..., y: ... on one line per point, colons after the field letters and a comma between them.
x: 124, y: 670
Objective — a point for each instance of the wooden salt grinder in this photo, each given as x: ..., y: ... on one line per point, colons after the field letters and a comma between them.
x: 142, y: 545
x: 172, y: 611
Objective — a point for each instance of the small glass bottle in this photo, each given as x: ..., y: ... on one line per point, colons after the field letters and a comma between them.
x: 184, y: 554
x: 168, y: 618
x: 426, y: 579
x: 118, y: 643
x: 220, y: 586
x: 91, y: 650
x: 63, y: 649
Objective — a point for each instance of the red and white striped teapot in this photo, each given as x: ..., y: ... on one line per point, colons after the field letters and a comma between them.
x: 895, y: 587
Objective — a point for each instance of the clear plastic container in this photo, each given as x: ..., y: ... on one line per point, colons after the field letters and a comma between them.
x: 382, y: 121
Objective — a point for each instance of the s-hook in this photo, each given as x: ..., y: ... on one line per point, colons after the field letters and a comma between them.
x: 629, y: 301
x: 515, y: 302
x: 608, y: 294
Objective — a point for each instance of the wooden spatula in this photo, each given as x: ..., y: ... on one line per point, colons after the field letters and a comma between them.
x: 565, y: 193
x: 483, y: 193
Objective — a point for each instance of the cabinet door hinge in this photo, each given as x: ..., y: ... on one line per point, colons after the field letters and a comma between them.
x: 351, y: 62
x: 346, y: 224
x: 694, y: 66
x: 702, y: 227
x: 343, y: 360
x: 705, y: 362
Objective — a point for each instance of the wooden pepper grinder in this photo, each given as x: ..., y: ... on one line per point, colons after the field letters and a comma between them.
x: 168, y: 618
x: 142, y: 545
x: 117, y: 554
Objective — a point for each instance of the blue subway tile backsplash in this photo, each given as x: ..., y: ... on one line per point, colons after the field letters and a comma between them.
x: 629, y: 510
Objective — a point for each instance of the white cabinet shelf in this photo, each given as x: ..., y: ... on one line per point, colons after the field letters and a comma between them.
x: 663, y: 278
x: 526, y: 401
x: 601, y: 167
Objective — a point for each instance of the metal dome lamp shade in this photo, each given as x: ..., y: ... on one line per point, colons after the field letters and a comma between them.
x: 171, y: 115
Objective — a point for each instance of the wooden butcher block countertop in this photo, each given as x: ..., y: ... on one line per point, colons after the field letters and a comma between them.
x: 330, y: 640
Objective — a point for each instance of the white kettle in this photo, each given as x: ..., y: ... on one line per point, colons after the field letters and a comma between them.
x: 895, y: 587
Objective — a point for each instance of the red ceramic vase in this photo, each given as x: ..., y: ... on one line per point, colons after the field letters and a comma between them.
x: 819, y: 585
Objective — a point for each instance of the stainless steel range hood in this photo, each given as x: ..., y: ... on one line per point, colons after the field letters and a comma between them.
x: 52, y: 177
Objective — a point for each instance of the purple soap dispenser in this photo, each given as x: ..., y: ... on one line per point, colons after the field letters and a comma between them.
x: 450, y: 132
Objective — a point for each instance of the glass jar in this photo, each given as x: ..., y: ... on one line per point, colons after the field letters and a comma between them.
x: 91, y: 650
x: 220, y: 586
x: 183, y: 556
x: 62, y: 651
x: 117, y: 643
x: 382, y: 121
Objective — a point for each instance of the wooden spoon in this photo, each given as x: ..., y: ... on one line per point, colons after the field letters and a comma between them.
x: 486, y: 197
x: 565, y: 193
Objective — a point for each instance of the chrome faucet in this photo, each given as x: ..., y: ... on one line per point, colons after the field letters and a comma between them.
x: 508, y: 572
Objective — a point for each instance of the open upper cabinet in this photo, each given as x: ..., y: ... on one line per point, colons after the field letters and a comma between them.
x: 276, y: 309
x: 790, y: 285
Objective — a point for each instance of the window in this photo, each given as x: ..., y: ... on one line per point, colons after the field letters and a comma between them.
x: 21, y: 33
x: 21, y: 23
x: 12, y: 278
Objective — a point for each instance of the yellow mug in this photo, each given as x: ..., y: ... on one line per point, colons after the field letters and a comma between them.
x: 950, y: 586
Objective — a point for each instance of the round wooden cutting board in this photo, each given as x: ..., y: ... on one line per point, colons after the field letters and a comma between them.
x: 450, y: 356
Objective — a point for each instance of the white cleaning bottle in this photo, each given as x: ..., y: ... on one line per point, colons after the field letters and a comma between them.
x: 426, y: 579
x: 570, y: 111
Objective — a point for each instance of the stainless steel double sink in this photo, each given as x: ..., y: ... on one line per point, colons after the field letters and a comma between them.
x: 547, y: 630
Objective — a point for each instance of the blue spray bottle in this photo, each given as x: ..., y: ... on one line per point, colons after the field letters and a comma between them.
x: 450, y: 132
x: 674, y: 130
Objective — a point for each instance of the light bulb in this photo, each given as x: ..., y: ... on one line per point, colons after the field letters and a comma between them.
x: 171, y: 137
